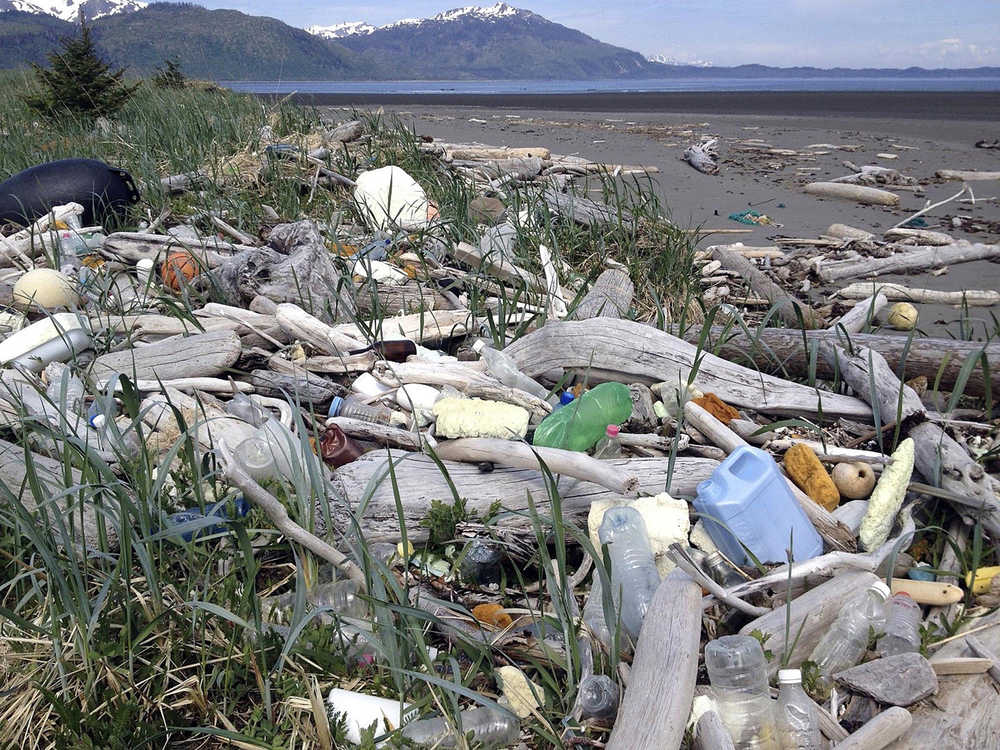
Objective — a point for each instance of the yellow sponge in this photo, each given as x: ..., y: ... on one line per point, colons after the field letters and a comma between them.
x: 474, y: 417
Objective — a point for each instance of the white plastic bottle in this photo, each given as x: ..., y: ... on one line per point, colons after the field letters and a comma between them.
x: 634, y: 577
x: 504, y: 369
x: 798, y: 719
x: 737, y: 670
x: 902, y: 626
x: 609, y: 446
x: 844, y: 644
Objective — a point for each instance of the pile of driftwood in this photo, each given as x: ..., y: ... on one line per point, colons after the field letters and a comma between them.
x: 297, y: 330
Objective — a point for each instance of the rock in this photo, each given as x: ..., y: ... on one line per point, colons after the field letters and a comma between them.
x: 807, y: 472
x: 486, y: 210
x: 347, y: 132
x: 899, y: 680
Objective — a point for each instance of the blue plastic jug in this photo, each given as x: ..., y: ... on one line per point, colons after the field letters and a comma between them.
x: 749, y: 494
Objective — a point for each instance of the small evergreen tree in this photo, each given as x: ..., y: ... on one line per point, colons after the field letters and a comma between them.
x: 78, y: 81
x: 170, y: 76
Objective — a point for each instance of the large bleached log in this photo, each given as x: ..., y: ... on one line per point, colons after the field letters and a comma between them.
x: 633, y: 352
x: 421, y: 483
x: 859, y: 193
x: 966, y: 175
x: 657, y: 701
x: 913, y: 259
x: 610, y: 297
x: 971, y: 297
x: 203, y: 355
x: 811, y: 615
x: 762, y: 284
x: 781, y: 351
x: 703, y: 156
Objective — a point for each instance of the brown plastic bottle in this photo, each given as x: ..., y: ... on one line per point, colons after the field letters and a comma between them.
x: 337, y: 449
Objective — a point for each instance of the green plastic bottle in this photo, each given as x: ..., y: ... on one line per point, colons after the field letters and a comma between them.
x: 581, y: 423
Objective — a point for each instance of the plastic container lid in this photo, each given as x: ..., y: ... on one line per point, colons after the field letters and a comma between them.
x: 335, y: 405
x: 566, y: 397
x: 789, y: 676
x: 612, y: 430
x: 881, y: 588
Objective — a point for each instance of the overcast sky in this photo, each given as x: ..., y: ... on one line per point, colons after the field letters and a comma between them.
x: 825, y: 33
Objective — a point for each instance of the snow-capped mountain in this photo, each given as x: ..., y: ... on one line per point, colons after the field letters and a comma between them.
x: 496, y: 12
x: 69, y: 10
x: 338, y: 30
x: 670, y: 60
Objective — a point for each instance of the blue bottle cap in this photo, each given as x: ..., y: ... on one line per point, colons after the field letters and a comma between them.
x: 566, y: 397
x: 335, y: 405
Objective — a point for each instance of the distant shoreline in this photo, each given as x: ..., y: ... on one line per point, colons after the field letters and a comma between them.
x: 952, y: 105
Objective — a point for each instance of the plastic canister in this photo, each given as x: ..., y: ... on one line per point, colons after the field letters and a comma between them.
x: 748, y: 494
x: 361, y: 711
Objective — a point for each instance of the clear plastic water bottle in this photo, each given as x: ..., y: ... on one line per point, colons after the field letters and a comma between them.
x: 593, y: 614
x: 737, y: 670
x: 845, y: 642
x: 505, y: 369
x: 609, y: 446
x: 354, y: 409
x: 578, y: 426
x: 633, y: 569
x: 798, y: 718
x: 254, y: 454
x: 902, y: 626
x: 342, y: 596
x: 123, y: 443
x: 598, y: 697
x: 490, y: 728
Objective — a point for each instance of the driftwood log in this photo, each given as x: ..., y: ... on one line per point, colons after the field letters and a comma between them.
x: 711, y: 734
x: 372, y: 432
x: 789, y: 308
x: 203, y: 355
x: 919, y: 236
x: 657, y: 701
x: 609, y: 349
x: 420, y: 483
x: 863, y: 314
x: 912, y: 259
x: 583, y: 210
x: 422, y: 327
x: 885, y: 729
x: 497, y: 266
x: 781, y: 351
x: 966, y: 175
x: 971, y: 297
x: 859, y: 193
x: 610, y: 297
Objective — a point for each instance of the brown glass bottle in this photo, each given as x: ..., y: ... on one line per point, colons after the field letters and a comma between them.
x: 337, y: 449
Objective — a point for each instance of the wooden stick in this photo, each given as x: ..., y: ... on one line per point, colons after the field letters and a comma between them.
x: 497, y: 266
x: 234, y: 473
x: 880, y: 732
x: 522, y: 456
x: 300, y: 324
x: 762, y: 285
x: 961, y: 665
x: 711, y: 734
x: 861, y: 315
x: 660, y: 690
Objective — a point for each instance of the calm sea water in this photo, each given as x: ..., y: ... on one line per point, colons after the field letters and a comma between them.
x: 610, y: 86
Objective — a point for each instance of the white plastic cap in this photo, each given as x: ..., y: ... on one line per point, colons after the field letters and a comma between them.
x: 478, y: 346
x: 99, y: 421
x: 144, y: 264
x: 881, y: 588
x: 789, y: 676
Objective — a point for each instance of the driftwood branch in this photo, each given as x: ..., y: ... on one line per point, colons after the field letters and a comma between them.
x: 880, y: 732
x: 912, y: 259
x: 660, y: 690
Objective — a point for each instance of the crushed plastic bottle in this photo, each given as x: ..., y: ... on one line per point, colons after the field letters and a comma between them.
x: 504, y: 369
x: 490, y: 728
x: 798, y: 718
x: 902, y: 626
x: 749, y: 495
x: 578, y: 426
x: 242, y: 407
x: 219, y: 510
x: 633, y: 568
x: 342, y: 596
x: 737, y: 670
x: 609, y: 446
x: 354, y: 409
x: 337, y: 449
x: 845, y: 642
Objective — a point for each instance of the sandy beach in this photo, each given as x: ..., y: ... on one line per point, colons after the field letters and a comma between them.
x: 772, y: 184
